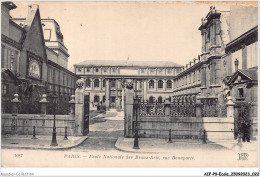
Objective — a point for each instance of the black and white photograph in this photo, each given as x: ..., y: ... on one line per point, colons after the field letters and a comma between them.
x: 130, y: 84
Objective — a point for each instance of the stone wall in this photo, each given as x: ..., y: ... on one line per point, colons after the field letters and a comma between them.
x: 187, y: 128
x: 22, y: 124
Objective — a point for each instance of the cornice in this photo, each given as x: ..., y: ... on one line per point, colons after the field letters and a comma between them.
x: 11, y: 42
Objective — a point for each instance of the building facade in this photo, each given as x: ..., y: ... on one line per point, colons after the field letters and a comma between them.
x: 104, y: 80
x: 32, y: 63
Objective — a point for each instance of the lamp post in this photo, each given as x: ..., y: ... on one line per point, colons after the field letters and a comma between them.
x: 54, y: 140
x: 136, y: 103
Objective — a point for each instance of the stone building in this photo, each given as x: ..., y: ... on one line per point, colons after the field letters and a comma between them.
x: 206, y: 77
x: 104, y: 80
x: 33, y: 63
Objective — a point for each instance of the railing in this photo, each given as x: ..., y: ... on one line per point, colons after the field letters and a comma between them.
x: 202, y: 135
x: 188, y: 110
x: 159, y: 109
x: 33, y: 132
x: 151, y: 109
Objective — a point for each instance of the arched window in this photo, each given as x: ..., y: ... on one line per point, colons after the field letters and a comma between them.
x: 96, y: 99
x: 151, y: 84
x: 88, y: 82
x: 96, y: 83
x: 151, y: 99
x: 169, y: 84
x: 160, y: 84
x: 159, y: 99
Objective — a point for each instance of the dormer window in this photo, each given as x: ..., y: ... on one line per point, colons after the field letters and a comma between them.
x: 88, y: 70
x: 113, y: 70
x: 96, y: 70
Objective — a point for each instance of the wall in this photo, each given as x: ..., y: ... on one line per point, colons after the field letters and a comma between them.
x: 24, y: 124
x: 243, y: 18
x: 194, y: 127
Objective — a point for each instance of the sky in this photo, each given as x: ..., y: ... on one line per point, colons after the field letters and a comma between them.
x: 148, y: 31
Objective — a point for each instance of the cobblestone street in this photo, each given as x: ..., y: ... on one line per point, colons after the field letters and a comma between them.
x: 104, y: 131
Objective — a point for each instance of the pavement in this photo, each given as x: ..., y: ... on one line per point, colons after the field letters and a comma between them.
x: 152, y: 145
x: 42, y: 142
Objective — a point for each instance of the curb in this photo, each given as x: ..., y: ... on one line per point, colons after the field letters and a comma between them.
x: 47, y: 148
x: 117, y: 147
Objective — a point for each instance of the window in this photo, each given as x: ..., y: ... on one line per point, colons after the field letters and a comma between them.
x: 151, y: 99
x: 142, y: 70
x: 105, y: 70
x: 169, y: 84
x: 4, y: 89
x: 140, y: 84
x: 87, y: 70
x: 113, y: 83
x: 113, y: 70
x: 169, y: 71
x: 96, y: 99
x: 194, y: 76
x: 47, y: 34
x: 104, y: 99
x: 96, y: 83
x: 240, y: 92
x: 160, y: 71
x: 88, y: 82
x: 159, y: 99
x: 96, y: 70
x: 151, y: 84
x: 160, y: 84
x: 151, y: 71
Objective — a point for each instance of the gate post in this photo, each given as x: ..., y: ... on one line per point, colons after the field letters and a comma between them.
x: 43, y: 103
x: 167, y: 108
x: 129, y: 109
x: 198, y: 106
x: 230, y: 107
x: 79, y: 107
x: 15, y: 104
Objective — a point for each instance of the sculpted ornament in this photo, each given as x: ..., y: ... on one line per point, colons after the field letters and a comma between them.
x: 128, y: 83
x: 80, y: 83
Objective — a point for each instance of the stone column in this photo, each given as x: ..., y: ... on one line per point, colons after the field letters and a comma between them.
x: 244, y: 57
x: 230, y: 107
x: 123, y: 98
x: 107, y: 94
x: 43, y: 103
x: 79, y: 107
x: 129, y: 101
x: 72, y: 105
x: 165, y: 84
x: 145, y: 89
x: 203, y: 78
x: 15, y: 104
x: 117, y: 99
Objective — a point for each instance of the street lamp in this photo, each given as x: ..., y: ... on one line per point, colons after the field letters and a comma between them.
x: 136, y: 104
x: 54, y: 140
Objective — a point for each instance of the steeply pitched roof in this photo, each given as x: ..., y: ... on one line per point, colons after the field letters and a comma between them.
x: 127, y: 63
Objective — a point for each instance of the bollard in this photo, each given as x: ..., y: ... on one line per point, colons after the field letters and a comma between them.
x: 66, y: 137
x: 34, y: 134
x: 204, y: 137
x: 170, y: 136
x: 239, y: 142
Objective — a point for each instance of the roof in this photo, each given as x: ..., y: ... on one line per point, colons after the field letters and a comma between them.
x: 251, y: 74
x: 127, y: 63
